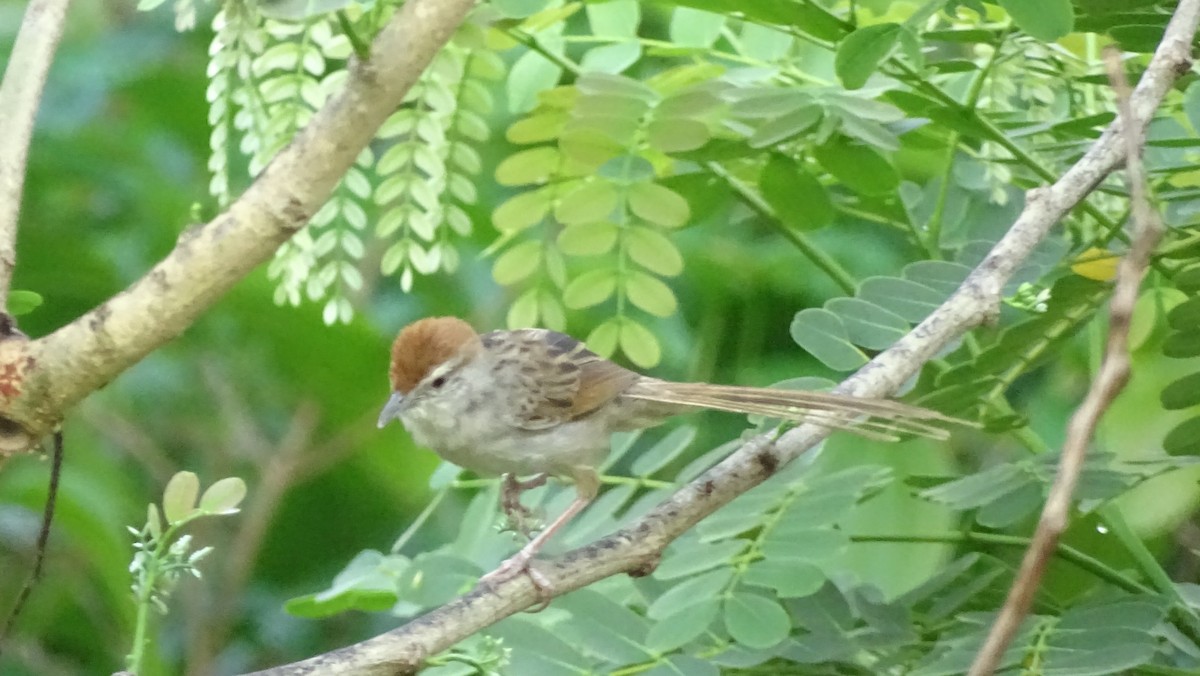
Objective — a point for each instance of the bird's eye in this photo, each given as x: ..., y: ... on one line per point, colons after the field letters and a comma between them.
x: 438, y: 382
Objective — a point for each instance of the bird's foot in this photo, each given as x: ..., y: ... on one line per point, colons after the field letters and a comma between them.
x: 518, y: 564
x: 520, y: 518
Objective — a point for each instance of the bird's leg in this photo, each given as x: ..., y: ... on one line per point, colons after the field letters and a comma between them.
x: 587, y: 484
x: 510, y: 502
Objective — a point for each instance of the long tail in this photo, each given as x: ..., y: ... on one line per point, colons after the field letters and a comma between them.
x: 872, y: 418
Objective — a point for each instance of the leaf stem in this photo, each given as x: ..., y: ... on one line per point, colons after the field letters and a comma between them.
x: 361, y: 49
x: 1068, y: 553
x: 822, y: 260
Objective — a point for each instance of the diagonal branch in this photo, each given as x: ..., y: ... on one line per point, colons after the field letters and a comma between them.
x: 41, y: 379
x: 20, y: 93
x: 636, y: 547
x: 1114, y: 373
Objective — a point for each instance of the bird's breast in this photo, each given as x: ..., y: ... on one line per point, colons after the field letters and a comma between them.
x: 483, y: 443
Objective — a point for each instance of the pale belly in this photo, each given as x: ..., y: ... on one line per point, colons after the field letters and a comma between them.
x: 477, y: 447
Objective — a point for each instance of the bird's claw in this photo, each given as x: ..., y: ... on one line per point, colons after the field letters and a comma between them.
x: 521, y: 563
x: 519, y: 516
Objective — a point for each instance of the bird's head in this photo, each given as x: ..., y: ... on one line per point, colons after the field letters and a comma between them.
x: 425, y: 355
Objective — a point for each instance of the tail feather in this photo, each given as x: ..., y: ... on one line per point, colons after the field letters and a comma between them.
x: 872, y: 418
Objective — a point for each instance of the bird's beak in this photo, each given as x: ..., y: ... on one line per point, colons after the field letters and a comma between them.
x: 392, y: 408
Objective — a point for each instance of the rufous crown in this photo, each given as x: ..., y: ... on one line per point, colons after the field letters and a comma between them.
x: 423, y: 345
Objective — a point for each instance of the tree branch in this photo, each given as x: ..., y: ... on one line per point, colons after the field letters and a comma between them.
x: 1111, y: 379
x: 20, y: 93
x: 41, y: 379
x: 638, y: 546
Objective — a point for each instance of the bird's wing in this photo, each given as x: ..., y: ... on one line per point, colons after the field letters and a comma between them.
x: 557, y: 377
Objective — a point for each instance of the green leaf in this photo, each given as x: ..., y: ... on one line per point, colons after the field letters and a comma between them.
x: 616, y: 85
x: 769, y: 103
x: 809, y: 17
x: 541, y: 127
x: 868, y: 324
x: 861, y: 52
x: 617, y: 114
x: 626, y: 170
x: 528, y: 167
x: 784, y: 127
x: 658, y: 205
x: 368, y: 582
x: 21, y: 302
x: 683, y: 625
x: 612, y: 58
x: 1191, y: 108
x: 617, y: 18
x: 223, y: 497
x: 756, y: 621
x: 652, y: 250
x: 1182, y: 393
x: 590, y: 288
x: 1182, y: 344
x: 692, y: 103
x: 804, y: 543
x: 649, y: 293
x: 904, y: 297
x: 1046, y: 20
x: 639, y: 344
x: 765, y: 43
x: 531, y: 73
x: 798, y: 198
x: 525, y: 636
x: 676, y: 135
x: 1184, y: 439
x: 688, y: 593
x: 603, y: 339
x: 868, y: 132
x: 588, y: 239
x: 590, y: 202
x: 942, y: 276
x: 688, y: 558
x: 520, y: 9
x: 179, y: 497
x: 153, y: 520
x: 790, y: 578
x: 861, y: 168
x: 980, y: 488
x: 824, y: 336
x: 1185, y: 316
x: 1188, y: 279
x: 1008, y: 509
x: 606, y: 611
x: 522, y: 211
x: 517, y: 263
x: 666, y: 450
x: 695, y: 28
x: 589, y: 147
x: 524, y: 310
x: 748, y: 511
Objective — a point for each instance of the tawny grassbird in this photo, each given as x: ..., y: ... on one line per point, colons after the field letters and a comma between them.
x: 536, y: 402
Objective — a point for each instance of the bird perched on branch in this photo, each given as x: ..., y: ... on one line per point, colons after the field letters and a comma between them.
x: 536, y: 402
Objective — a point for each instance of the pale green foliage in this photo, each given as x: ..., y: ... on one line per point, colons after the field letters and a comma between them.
x: 591, y: 222
x: 268, y: 76
x: 427, y: 174
x: 162, y: 555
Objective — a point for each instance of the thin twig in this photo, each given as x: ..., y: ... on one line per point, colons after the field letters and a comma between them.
x: 43, y: 539
x: 1114, y: 373
x: 20, y: 92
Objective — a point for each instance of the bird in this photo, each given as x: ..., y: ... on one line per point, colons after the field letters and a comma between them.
x: 535, y: 402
